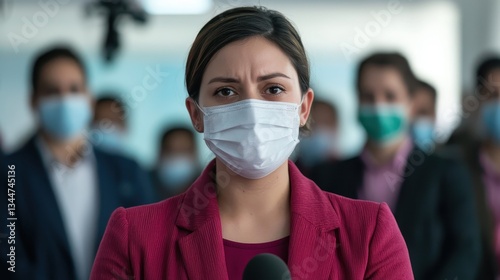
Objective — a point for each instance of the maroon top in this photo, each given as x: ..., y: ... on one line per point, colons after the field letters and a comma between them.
x: 239, y: 254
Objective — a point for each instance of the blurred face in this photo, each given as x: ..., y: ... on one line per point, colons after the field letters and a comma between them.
x: 61, y: 100
x: 384, y: 105
x: 59, y: 78
x: 109, y: 112
x: 489, y: 113
x: 179, y: 144
x: 323, y: 117
x: 383, y: 85
x: 253, y: 68
x: 490, y: 91
x: 424, y: 105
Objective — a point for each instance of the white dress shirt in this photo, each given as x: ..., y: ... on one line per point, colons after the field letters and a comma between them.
x: 76, y: 192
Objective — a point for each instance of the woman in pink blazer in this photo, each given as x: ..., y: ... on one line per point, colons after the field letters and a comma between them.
x: 247, y: 76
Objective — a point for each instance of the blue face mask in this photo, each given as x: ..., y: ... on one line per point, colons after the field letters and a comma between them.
x: 422, y: 131
x: 490, y: 115
x: 112, y: 141
x: 176, y: 172
x: 317, y: 147
x: 65, y: 117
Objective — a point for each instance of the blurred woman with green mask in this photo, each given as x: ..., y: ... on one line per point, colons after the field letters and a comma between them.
x: 430, y: 196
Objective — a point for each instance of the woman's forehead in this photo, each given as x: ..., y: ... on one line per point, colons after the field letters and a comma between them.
x: 256, y: 56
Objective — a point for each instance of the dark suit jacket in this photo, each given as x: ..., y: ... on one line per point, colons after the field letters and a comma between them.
x: 435, y: 212
x: 42, y: 248
x: 462, y: 145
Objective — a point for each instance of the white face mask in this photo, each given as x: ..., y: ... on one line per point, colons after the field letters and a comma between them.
x: 252, y: 137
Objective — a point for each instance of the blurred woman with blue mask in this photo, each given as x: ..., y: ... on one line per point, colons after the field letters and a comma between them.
x: 477, y: 142
x: 321, y: 143
x: 424, y: 116
x: 429, y: 195
x: 177, y: 166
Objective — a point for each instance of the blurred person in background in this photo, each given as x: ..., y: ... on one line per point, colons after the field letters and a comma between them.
x: 321, y: 143
x: 177, y: 165
x: 66, y: 189
x: 478, y: 143
x: 422, y: 126
x: 430, y: 196
x: 109, y: 124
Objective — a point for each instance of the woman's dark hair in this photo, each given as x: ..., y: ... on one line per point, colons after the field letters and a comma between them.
x: 393, y: 60
x: 237, y: 24
x: 50, y: 55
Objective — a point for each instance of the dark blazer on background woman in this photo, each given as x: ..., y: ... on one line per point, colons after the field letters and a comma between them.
x: 435, y: 211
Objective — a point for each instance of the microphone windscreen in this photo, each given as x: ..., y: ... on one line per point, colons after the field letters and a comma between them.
x: 266, y: 267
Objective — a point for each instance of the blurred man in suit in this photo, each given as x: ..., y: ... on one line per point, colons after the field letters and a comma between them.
x: 66, y: 189
x: 431, y: 196
x: 478, y: 142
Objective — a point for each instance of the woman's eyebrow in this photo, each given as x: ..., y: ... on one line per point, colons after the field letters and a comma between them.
x: 224, y: 80
x: 259, y: 79
x: 272, y: 75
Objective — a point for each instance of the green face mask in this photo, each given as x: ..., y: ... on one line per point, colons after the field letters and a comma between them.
x: 383, y: 123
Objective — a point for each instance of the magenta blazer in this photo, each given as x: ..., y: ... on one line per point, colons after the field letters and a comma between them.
x: 331, y: 237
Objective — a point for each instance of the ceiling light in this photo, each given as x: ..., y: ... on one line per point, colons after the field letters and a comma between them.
x: 177, y: 7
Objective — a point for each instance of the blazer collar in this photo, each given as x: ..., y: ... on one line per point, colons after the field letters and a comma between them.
x: 40, y: 187
x: 312, y: 235
x: 312, y: 246
x: 202, y: 249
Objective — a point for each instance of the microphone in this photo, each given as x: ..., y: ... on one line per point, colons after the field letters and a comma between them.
x: 266, y: 267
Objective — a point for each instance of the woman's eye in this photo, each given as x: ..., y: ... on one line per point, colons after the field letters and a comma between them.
x: 275, y: 90
x: 225, y: 92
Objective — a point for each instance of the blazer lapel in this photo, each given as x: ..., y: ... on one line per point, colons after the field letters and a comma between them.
x: 203, y: 250
x: 202, y: 246
x: 311, y: 251
x: 46, y: 204
x: 312, y: 234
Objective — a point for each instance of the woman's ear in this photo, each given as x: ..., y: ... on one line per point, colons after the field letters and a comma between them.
x: 305, y: 108
x: 195, y: 114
